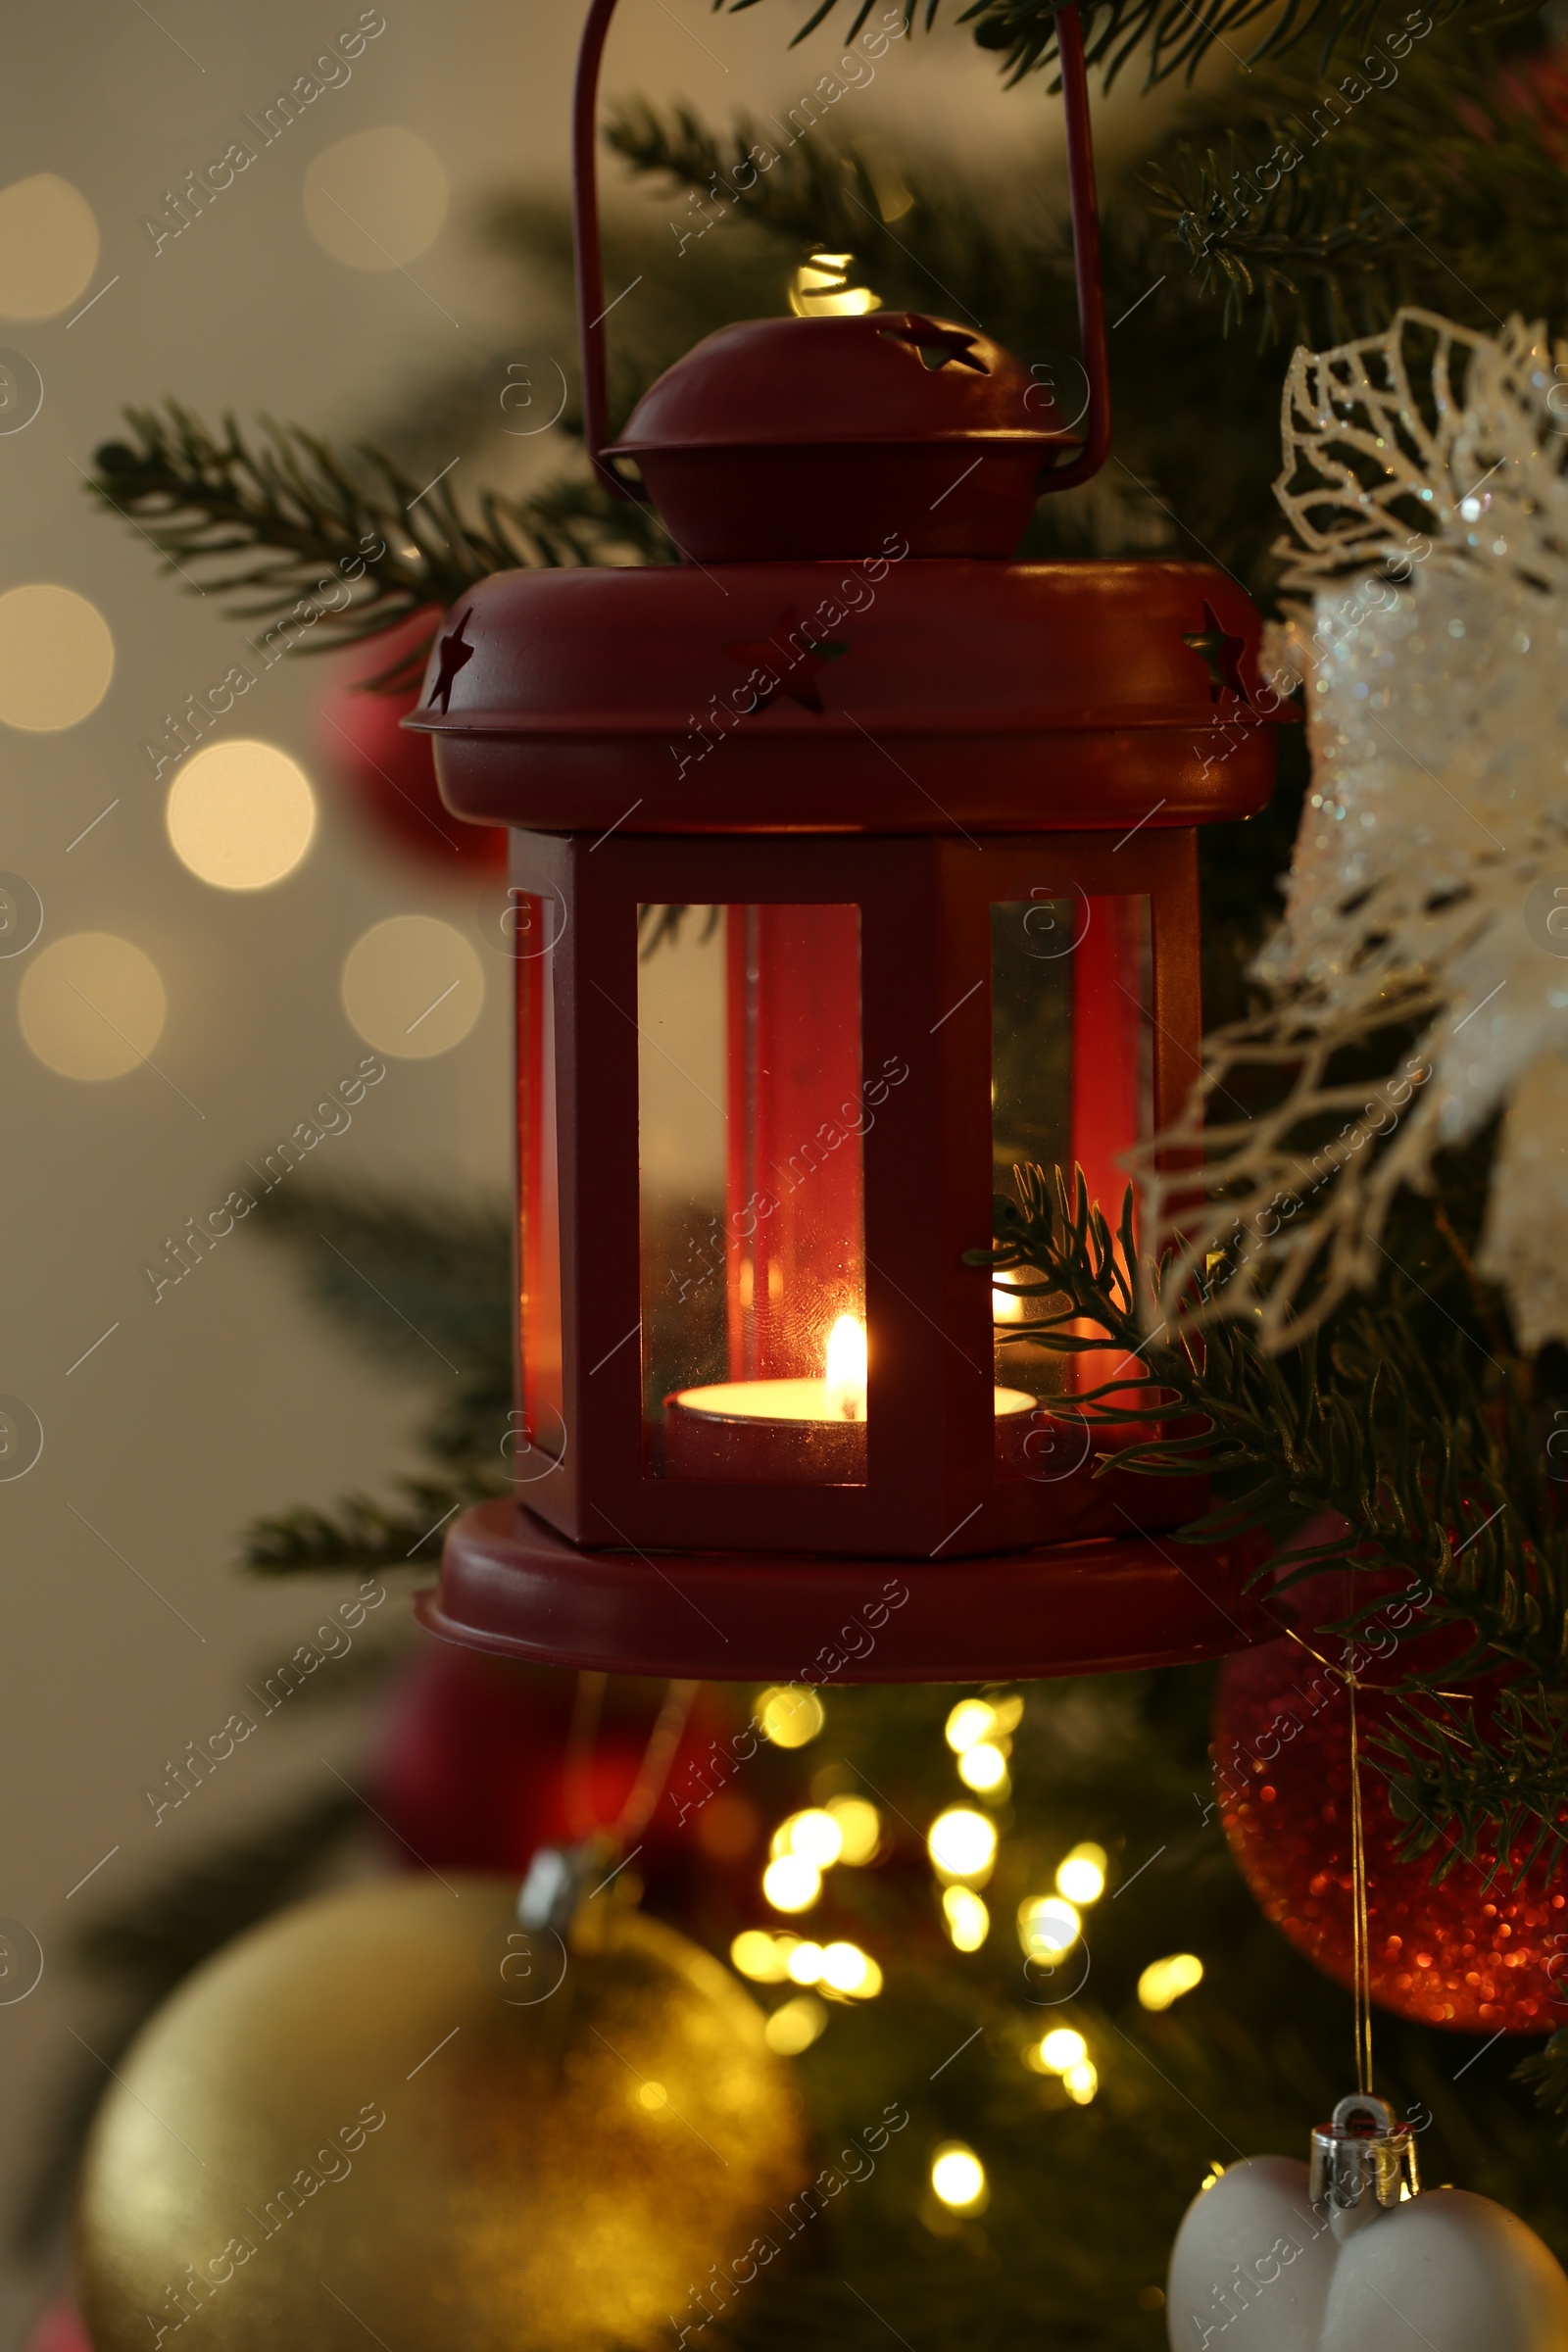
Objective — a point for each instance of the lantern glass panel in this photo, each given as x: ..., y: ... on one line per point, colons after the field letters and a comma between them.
x: 751, y: 1116
x: 542, y: 1433
x: 1072, y: 1076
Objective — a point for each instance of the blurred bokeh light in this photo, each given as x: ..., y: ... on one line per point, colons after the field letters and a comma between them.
x: 48, y: 246
x: 57, y: 658
x: 377, y: 198
x: 413, y: 986
x: 241, y: 815
x: 91, y: 1006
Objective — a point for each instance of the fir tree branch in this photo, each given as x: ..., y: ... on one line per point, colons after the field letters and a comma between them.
x: 331, y: 549
x: 1496, y: 1772
x: 150, y: 1943
x: 423, y: 1285
x: 811, y: 193
x: 427, y: 1285
x: 1177, y: 36
x: 364, y: 1534
x: 925, y: 239
x: 1401, y: 1457
x: 411, y: 1280
x: 1434, y: 177
x: 356, y: 1673
x: 1318, y: 260
x: 1546, y: 2073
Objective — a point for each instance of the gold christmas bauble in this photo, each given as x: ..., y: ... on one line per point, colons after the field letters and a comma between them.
x: 391, y: 2116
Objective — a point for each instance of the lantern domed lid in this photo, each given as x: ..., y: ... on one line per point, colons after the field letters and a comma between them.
x: 819, y: 437
x: 886, y: 377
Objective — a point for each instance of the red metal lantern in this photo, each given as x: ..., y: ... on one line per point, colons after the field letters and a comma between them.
x: 853, y: 864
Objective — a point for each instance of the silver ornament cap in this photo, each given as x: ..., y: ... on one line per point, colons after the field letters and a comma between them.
x: 1363, y: 2157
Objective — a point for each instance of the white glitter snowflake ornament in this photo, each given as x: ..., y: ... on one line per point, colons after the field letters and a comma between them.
x: 1426, y: 477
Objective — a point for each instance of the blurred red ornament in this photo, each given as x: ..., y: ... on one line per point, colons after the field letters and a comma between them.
x: 59, y: 2329
x: 1479, y: 1957
x: 389, y: 775
x: 1532, y: 94
x: 1547, y: 75
x: 473, y: 1774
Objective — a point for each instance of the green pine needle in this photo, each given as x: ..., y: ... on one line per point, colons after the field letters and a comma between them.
x: 1176, y: 36
x: 330, y: 548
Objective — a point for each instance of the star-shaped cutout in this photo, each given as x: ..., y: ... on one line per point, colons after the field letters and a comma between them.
x: 945, y: 343
x: 800, y: 682
x: 1220, y: 653
x: 455, y: 653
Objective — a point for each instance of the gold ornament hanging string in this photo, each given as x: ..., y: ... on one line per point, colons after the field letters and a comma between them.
x: 1359, y: 1906
x: 587, y: 1710
x: 1362, y: 1922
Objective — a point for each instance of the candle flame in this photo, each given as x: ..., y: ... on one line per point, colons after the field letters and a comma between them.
x: 846, y: 1369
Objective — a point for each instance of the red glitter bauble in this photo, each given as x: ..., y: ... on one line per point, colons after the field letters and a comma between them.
x: 1479, y: 1957
x: 388, y: 773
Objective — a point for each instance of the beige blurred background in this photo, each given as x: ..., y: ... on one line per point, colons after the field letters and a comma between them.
x: 127, y: 1629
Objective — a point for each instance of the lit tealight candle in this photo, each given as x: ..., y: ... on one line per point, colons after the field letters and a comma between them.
x: 796, y: 1429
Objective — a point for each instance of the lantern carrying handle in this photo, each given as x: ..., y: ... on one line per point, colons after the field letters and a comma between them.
x: 593, y: 309
x: 1085, y: 255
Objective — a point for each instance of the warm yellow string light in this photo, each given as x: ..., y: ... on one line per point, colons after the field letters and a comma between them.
x: 821, y: 289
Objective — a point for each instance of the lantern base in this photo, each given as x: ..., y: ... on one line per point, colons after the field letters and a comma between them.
x: 512, y: 1585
